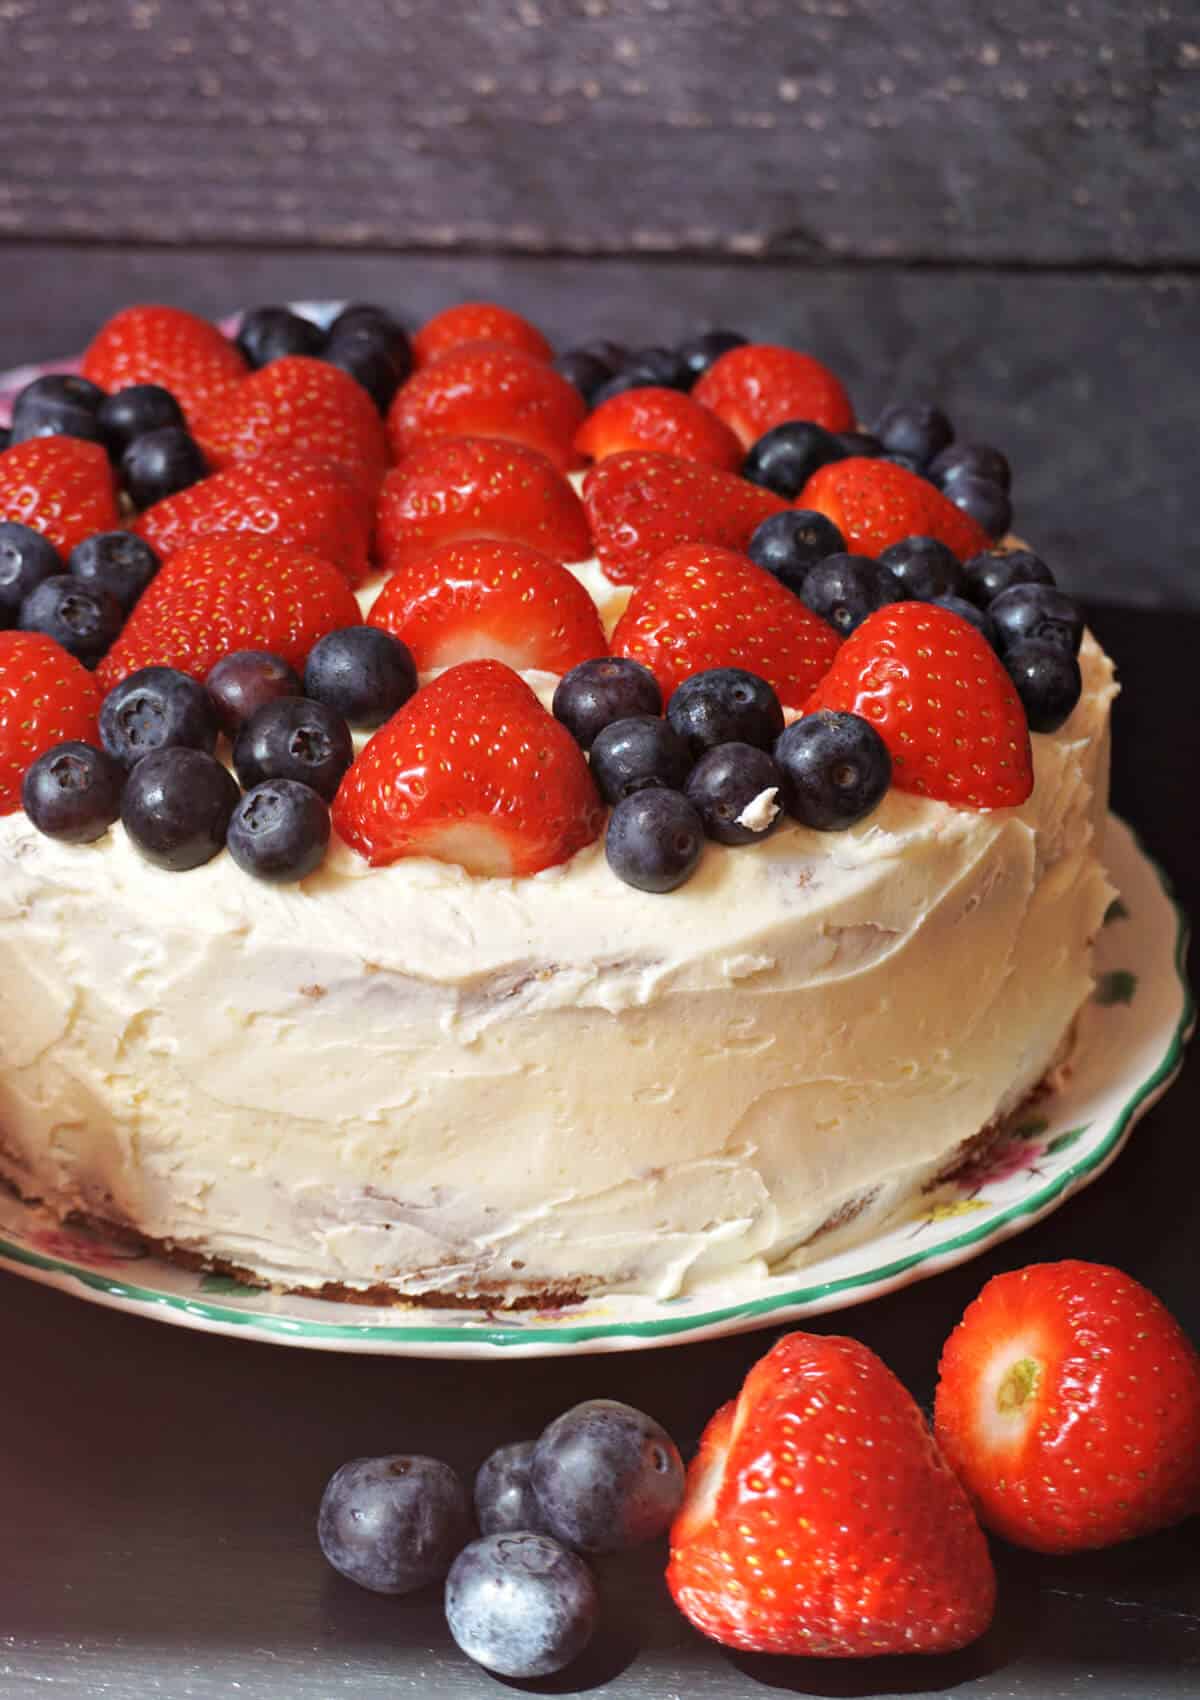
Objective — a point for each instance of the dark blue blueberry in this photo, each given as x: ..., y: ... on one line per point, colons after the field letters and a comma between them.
x: 268, y: 333
x: 915, y: 428
x: 607, y: 1476
x: 82, y: 617
x: 176, y: 807
x: 520, y: 1604
x: 156, y: 708
x: 972, y: 613
x: 279, y: 831
x: 27, y: 559
x: 393, y: 1524
x: 73, y: 792
x: 785, y: 457
x: 595, y: 693
x: 292, y: 738
x: 160, y: 463
x: 504, y: 1496
x: 1048, y: 683
x: 728, y: 781
x: 665, y: 366
x: 368, y: 315
x: 365, y: 674
x: 975, y: 460
x: 910, y: 463
x: 377, y: 356
x: 613, y: 354
x: 134, y: 411
x: 787, y: 544
x: 725, y: 705
x: 58, y: 405
x: 860, y: 443
x: 618, y: 384
x: 987, y: 503
x: 5, y: 437
x: 115, y: 561
x: 925, y: 568
x: 1036, y: 613
x: 995, y: 570
x: 245, y: 681
x: 699, y: 352
x: 836, y: 769
x: 586, y: 371
x: 654, y: 840
x: 636, y: 753
x: 846, y: 589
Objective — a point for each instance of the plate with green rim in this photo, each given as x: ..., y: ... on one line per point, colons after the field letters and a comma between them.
x: 1131, y: 1042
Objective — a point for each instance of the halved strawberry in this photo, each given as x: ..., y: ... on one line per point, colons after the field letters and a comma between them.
x: 455, y: 488
x: 60, y: 486
x: 700, y: 607
x: 640, y: 504
x: 46, y: 697
x: 226, y: 593
x: 487, y: 389
x: 875, y: 503
x: 477, y: 321
x: 931, y: 686
x: 471, y: 770
x: 760, y: 385
x: 165, y: 345
x: 661, y: 421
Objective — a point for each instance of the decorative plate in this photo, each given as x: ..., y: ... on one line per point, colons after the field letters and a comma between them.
x: 1130, y: 1049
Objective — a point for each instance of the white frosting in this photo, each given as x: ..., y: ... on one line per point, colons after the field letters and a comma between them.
x: 760, y: 811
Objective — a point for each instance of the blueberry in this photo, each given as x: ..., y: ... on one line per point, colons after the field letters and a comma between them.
x: 987, y: 503
x: 654, y: 840
x: 914, y: 428
x: 725, y: 705
x: 860, y: 443
x: 161, y: 463
x: 665, y: 366
x: 910, y: 463
x: 268, y: 333
x: 995, y: 570
x: 836, y: 769
x: 520, y: 1604
x: 82, y: 617
x: 360, y: 315
x: 393, y: 1524
x: 787, y: 544
x: 375, y: 355
x: 279, y: 831
x: 972, y: 613
x: 728, y: 781
x: 244, y: 681
x: 58, y: 405
x: 595, y: 693
x: 136, y: 410
x: 115, y: 561
x: 362, y: 672
x: 586, y: 371
x: 292, y: 738
x: 1036, y: 613
x: 699, y: 352
x: 978, y: 460
x: 5, y: 437
x: 637, y: 753
x: 156, y: 708
x: 618, y: 384
x: 924, y: 567
x: 1048, y: 683
x: 607, y: 1476
x: 845, y: 589
x: 176, y: 807
x: 73, y: 792
x: 613, y: 354
x: 27, y: 559
x: 785, y: 457
x: 504, y: 1496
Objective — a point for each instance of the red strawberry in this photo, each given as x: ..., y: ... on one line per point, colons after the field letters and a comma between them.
x: 471, y: 770
x: 60, y: 486
x: 46, y: 697
x: 227, y: 593
x: 640, y: 504
x: 487, y: 389
x: 477, y: 321
x: 820, y: 1517
x: 700, y: 607
x: 466, y: 600
x: 454, y: 488
x: 875, y: 503
x: 284, y: 494
x: 165, y: 345
x: 931, y: 686
x: 662, y: 421
x: 1069, y: 1405
x: 760, y: 385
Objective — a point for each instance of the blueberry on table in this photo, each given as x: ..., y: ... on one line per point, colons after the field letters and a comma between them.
x: 156, y: 708
x: 504, y: 1496
x: 924, y: 568
x: 27, y: 559
x: 699, y: 352
x: 58, y: 405
x: 81, y: 617
x: 986, y: 575
x: 606, y: 1475
x: 246, y: 680
x: 636, y: 753
x: 161, y: 463
x: 520, y: 1604
x: 363, y: 673
x: 845, y: 589
x: 914, y: 428
x: 735, y: 791
x: 279, y: 831
x: 393, y: 1524
x: 836, y: 769
x: 724, y: 705
x: 1037, y: 613
x: 586, y: 371
x: 654, y: 840
x: 976, y: 460
x: 136, y: 410
x: 293, y: 738
x: 116, y: 561
x: 595, y: 693
x: 988, y: 504
x: 73, y: 792
x: 1048, y: 683
x: 787, y: 544
x: 268, y: 333
x: 785, y: 457
x: 176, y: 807
x: 972, y: 613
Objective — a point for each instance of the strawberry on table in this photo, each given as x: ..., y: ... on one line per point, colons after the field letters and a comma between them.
x: 760, y: 385
x: 875, y: 503
x: 662, y: 421
x: 46, y: 698
x: 167, y: 346
x: 62, y: 487
x: 1069, y: 1404
x: 471, y: 770
x: 477, y: 321
x: 488, y: 389
x: 821, y: 1519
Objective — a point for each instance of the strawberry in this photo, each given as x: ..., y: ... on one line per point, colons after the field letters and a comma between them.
x: 283, y: 494
x: 455, y: 488
x: 875, y: 503
x: 760, y: 385
x: 820, y: 1518
x: 700, y: 607
x: 471, y: 770
x: 1069, y: 1404
x: 165, y: 345
x: 640, y: 504
x: 932, y: 687
x: 659, y: 420
x: 477, y: 321
x: 501, y: 599
x: 487, y: 389
x: 46, y: 697
x: 226, y: 593
x: 60, y: 486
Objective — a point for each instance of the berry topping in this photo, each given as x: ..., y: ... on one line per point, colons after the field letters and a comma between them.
x: 659, y: 420
x: 859, y: 443
x: 368, y: 317
x: 57, y: 405
x: 160, y: 463
x: 1036, y: 613
x: 606, y: 1476
x: 279, y: 831
x: 504, y: 1496
x: 760, y: 385
x: 978, y: 460
x: 477, y: 321
x: 874, y: 504
x: 997, y: 570
x: 27, y: 559
x: 699, y: 352
x: 634, y: 754
x: 925, y: 568
x: 293, y: 738
x: 393, y: 1524
x: 46, y: 698
x: 916, y: 429
x: 972, y: 613
x: 131, y: 412
x: 735, y: 790
x: 79, y: 616
x: 488, y: 389
x: 984, y: 502
x: 363, y: 673
x: 59, y: 486
x: 471, y: 770
x: 268, y: 333
x: 846, y: 589
x: 1048, y: 682
x: 595, y: 693
x: 940, y: 700
x: 645, y: 368
x: 835, y: 770
x: 116, y: 562
x: 73, y: 792
x: 585, y: 371
x: 242, y: 683
x: 156, y: 708
x: 377, y: 357
x: 168, y: 347
x: 520, y: 1604
x: 725, y: 705
x: 785, y: 457
x: 654, y: 840
x: 176, y: 807
x: 787, y: 544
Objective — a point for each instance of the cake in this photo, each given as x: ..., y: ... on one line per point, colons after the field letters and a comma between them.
x: 407, y: 1079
